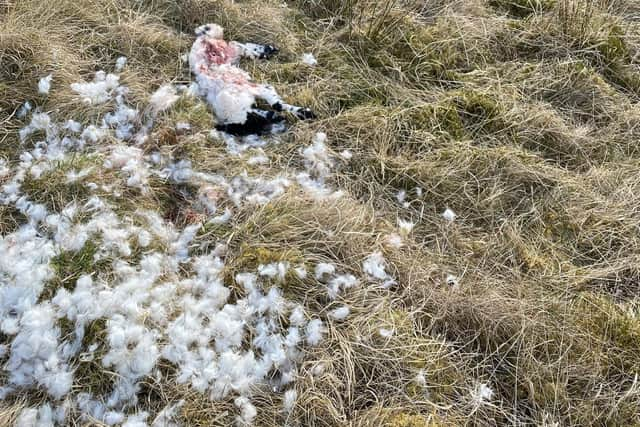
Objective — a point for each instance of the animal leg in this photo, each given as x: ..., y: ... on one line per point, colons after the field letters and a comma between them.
x: 254, y: 50
x: 269, y: 94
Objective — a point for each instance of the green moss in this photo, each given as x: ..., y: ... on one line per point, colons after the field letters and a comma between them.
x: 479, y: 112
x: 440, y: 119
x: 69, y: 266
x: 613, y: 48
x: 625, y: 76
x: 618, y: 331
x: 523, y: 8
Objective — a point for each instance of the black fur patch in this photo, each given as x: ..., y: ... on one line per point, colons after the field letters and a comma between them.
x: 256, y: 124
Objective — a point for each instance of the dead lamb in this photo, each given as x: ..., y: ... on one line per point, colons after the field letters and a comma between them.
x: 229, y: 90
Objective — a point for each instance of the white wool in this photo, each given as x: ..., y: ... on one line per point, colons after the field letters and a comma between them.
x: 32, y: 417
x: 114, y: 417
x: 289, y: 400
x: 340, y: 313
x: 301, y: 272
x: 163, y: 98
x: 317, y: 158
x: 420, y: 378
x: 123, y: 121
x: 339, y: 283
x: 179, y: 172
x: 256, y: 191
x: 346, y: 154
x: 453, y: 281
x: 144, y: 238
x: 406, y: 227
x: 481, y: 393
x: 318, y: 163
x: 24, y: 261
x: 314, y: 331
x: 73, y: 176
x: 93, y: 134
x: 324, y: 269
x: 394, y: 240
x: 24, y: 110
x: 44, y: 85
x: 449, y: 215
x: 236, y: 148
x: 297, y: 316
x: 137, y: 420
x: 183, y: 126
x: 318, y: 369
x: 166, y: 417
x: 130, y: 161
x: 39, y: 122
x: 247, y: 411
x: 375, y: 267
x: 386, y: 333
x: 274, y: 270
x: 401, y: 197
x: 99, y: 91
x: 316, y: 188
x: 258, y: 159
x: 132, y: 348
x: 73, y: 126
x: 309, y: 59
x: 120, y: 63
x: 34, y: 353
x: 419, y: 191
x: 28, y: 418
x: 231, y: 105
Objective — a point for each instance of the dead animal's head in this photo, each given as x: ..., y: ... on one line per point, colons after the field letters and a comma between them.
x: 214, y: 31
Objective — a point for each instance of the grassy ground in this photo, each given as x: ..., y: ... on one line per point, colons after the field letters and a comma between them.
x: 522, y: 116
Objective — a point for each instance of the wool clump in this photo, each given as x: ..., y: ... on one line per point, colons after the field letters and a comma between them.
x: 99, y: 91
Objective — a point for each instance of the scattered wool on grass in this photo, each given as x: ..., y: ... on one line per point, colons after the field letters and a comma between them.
x: 99, y: 91
x: 386, y: 333
x: 453, y: 281
x: 340, y: 313
x: 39, y: 122
x: 406, y: 227
x: 324, y: 269
x: 339, y: 283
x: 401, y: 197
x: 315, y: 331
x: 289, y: 401
x: 128, y: 338
x: 394, y: 240
x: 120, y: 63
x: 247, y: 411
x: 375, y: 267
x: 163, y: 98
x: 481, y: 394
x: 44, y: 85
x: 309, y: 59
x: 24, y: 110
x: 449, y: 215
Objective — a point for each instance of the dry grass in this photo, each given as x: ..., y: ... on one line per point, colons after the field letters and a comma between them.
x: 520, y: 115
